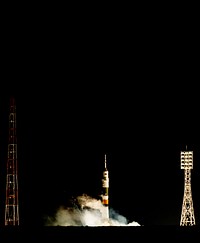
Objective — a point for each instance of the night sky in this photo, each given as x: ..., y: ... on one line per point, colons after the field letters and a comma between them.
x: 131, y: 98
x: 64, y: 133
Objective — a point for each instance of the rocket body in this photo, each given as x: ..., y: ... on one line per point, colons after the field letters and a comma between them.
x: 105, y: 191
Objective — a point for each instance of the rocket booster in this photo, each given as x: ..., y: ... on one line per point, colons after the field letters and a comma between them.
x: 105, y: 188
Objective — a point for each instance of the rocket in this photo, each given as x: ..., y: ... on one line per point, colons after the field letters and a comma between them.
x: 105, y: 188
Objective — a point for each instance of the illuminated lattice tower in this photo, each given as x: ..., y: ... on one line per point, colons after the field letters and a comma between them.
x: 187, y: 215
x: 11, y: 203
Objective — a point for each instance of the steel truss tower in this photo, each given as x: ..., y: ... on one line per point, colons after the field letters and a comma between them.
x: 187, y: 215
x: 11, y: 203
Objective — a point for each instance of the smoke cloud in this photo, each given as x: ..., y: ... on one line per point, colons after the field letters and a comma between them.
x: 87, y: 211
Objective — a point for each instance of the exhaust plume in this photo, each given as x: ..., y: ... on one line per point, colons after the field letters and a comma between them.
x: 87, y: 211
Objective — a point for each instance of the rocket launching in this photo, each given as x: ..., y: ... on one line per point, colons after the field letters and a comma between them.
x: 105, y: 187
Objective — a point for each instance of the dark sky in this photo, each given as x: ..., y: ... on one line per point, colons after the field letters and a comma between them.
x: 63, y: 134
x: 92, y: 92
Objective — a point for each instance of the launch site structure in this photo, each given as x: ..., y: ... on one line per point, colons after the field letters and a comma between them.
x: 11, y: 202
x: 187, y: 214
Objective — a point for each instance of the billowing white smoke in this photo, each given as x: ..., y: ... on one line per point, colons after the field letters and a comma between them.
x: 87, y: 211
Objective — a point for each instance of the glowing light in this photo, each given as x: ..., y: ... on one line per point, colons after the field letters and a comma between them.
x: 87, y: 211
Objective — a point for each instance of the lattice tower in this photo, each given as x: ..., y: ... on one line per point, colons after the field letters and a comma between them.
x: 11, y: 202
x: 187, y: 214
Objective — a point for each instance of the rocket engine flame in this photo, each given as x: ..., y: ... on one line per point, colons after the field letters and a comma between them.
x: 87, y: 211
